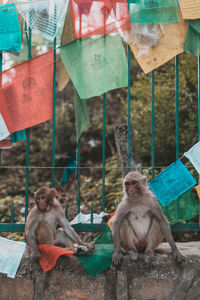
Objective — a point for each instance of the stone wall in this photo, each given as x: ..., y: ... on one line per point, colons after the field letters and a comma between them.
x: 160, y: 279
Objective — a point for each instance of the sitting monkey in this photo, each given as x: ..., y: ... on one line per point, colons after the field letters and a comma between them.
x: 42, y: 221
x: 139, y: 224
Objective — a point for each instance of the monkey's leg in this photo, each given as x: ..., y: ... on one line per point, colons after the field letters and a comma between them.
x: 44, y: 234
x: 128, y: 239
x: 154, y: 237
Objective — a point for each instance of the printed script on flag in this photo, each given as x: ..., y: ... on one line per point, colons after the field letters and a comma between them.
x: 26, y: 93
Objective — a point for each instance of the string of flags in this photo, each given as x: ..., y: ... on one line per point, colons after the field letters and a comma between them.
x: 93, y: 57
x: 91, y: 50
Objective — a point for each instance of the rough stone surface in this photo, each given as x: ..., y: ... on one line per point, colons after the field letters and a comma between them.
x: 160, y: 279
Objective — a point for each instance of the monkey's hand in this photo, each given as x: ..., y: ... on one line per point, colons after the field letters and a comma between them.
x: 178, y: 256
x: 90, y: 246
x: 117, y: 258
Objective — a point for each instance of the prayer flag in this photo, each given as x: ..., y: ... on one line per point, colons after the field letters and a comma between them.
x: 166, y: 48
x: 26, y: 94
x: 81, y: 115
x: 5, y: 144
x: 3, y: 129
x: 182, y: 209
x: 43, y: 16
x: 153, y: 11
x: 10, y: 34
x: 92, y: 17
x: 172, y: 182
x: 101, y: 258
x: 194, y: 156
x: 11, y: 253
x: 190, y: 9
x: 18, y: 136
x: 96, y: 66
x: 71, y: 169
x: 192, y: 43
x: 197, y: 187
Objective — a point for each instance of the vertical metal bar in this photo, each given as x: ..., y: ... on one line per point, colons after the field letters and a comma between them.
x: 79, y: 173
x: 54, y: 117
x: 152, y: 124
x: 129, y: 109
x: 91, y: 214
x: 177, y: 106
x: 177, y: 119
x: 198, y: 98
x: 27, y: 139
x: 103, y: 152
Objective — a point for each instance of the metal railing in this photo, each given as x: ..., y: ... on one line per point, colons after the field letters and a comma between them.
x: 13, y: 227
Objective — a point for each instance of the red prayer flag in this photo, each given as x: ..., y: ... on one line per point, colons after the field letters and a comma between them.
x: 49, y: 255
x: 26, y: 93
x: 99, y: 17
x: 6, y: 143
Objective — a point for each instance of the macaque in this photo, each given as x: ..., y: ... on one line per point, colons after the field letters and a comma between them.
x: 43, y: 220
x: 139, y: 224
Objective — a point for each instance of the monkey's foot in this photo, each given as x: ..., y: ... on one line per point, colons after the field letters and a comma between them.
x: 133, y: 256
x: 148, y: 258
x: 117, y: 258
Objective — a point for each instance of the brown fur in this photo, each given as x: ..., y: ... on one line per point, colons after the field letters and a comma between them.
x: 42, y: 221
x: 139, y: 224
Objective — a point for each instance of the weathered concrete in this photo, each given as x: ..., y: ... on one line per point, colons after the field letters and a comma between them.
x: 161, y: 279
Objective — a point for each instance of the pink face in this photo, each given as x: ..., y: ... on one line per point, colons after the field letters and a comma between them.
x: 41, y: 200
x: 132, y: 187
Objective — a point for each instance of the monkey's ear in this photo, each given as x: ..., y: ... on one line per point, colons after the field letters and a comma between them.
x: 143, y: 180
x: 54, y: 192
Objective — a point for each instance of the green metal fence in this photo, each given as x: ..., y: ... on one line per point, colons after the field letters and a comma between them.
x: 13, y: 227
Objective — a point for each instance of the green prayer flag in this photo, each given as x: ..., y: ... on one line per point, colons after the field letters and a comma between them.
x: 153, y: 11
x: 81, y: 115
x: 18, y: 136
x: 96, y: 66
x: 192, y: 43
x: 182, y: 209
x: 101, y: 259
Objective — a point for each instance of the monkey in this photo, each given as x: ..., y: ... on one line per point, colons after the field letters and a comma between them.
x: 139, y: 224
x: 42, y: 221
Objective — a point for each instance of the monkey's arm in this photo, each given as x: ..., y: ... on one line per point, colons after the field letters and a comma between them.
x: 30, y: 236
x: 165, y: 228
x: 117, y: 256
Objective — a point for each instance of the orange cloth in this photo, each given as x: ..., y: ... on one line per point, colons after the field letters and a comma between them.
x: 49, y: 255
x: 111, y: 219
x: 26, y: 93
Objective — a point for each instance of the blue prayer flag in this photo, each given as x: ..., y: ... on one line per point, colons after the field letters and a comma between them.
x: 171, y: 183
x: 10, y: 34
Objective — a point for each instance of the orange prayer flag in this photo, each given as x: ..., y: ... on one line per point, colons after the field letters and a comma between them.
x: 26, y: 93
x: 49, y: 255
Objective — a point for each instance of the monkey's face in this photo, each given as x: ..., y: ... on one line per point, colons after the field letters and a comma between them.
x: 42, y: 202
x: 132, y: 187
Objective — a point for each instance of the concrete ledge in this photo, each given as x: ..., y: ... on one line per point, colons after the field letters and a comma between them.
x: 161, y: 279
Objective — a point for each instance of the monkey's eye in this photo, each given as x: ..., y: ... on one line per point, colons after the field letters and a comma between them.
x: 133, y: 182
x: 127, y: 183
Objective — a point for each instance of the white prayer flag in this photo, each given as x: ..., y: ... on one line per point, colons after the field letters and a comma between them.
x: 11, y: 253
x: 4, y: 133
x: 43, y: 16
x: 194, y: 156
